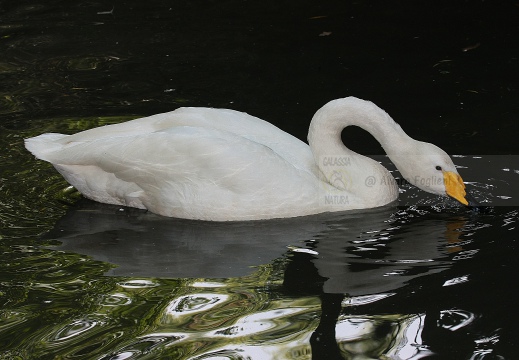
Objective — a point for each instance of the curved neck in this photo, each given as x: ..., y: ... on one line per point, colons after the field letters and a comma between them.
x: 333, y: 157
x: 329, y: 121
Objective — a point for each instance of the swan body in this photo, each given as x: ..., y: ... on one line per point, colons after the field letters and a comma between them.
x: 222, y: 165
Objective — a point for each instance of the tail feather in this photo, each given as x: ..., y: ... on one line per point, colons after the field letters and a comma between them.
x: 44, y: 145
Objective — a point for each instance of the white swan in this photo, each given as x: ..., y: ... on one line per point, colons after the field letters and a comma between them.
x: 217, y: 164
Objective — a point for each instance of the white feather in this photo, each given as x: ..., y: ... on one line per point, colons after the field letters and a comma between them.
x: 218, y: 164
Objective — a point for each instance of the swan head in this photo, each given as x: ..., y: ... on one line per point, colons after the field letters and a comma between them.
x: 431, y: 169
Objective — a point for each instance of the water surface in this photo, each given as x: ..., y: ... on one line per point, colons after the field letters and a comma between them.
x: 421, y: 278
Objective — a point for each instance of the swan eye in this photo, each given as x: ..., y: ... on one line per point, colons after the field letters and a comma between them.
x: 438, y: 167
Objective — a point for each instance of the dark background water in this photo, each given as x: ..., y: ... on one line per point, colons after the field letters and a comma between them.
x: 447, y: 71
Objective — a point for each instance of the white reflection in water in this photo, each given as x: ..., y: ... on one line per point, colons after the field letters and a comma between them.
x: 455, y: 319
x: 189, y: 304
x: 124, y: 355
x: 207, y: 284
x: 138, y: 283
x: 289, y: 350
x: 74, y: 329
x: 116, y: 299
x: 456, y: 280
x: 162, y: 336
x: 257, y: 323
x: 354, y: 329
x: 304, y: 250
x: 409, y: 345
x: 510, y: 218
x: 487, y: 340
x: 365, y: 299
x: 360, y: 337
x: 146, y: 344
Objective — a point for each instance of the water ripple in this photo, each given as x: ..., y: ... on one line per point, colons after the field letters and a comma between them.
x: 138, y: 284
x: 145, y: 345
x: 75, y: 329
x: 259, y: 322
x: 365, y: 299
x: 189, y: 304
x: 116, y: 299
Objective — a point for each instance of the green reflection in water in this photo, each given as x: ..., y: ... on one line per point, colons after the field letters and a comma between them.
x: 71, y: 310
x: 32, y: 194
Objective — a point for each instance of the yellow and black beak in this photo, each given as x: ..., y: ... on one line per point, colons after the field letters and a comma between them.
x: 455, y: 186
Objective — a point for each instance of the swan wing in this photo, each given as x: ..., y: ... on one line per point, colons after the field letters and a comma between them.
x: 231, y: 121
x: 185, y: 171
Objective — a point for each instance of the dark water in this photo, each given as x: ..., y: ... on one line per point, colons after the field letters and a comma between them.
x: 421, y: 279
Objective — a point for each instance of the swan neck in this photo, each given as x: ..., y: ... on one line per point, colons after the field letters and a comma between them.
x: 329, y: 121
x: 335, y: 160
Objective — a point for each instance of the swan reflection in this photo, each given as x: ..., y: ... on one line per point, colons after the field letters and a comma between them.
x: 334, y: 268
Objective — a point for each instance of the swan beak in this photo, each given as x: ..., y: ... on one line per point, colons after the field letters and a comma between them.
x: 454, y: 186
